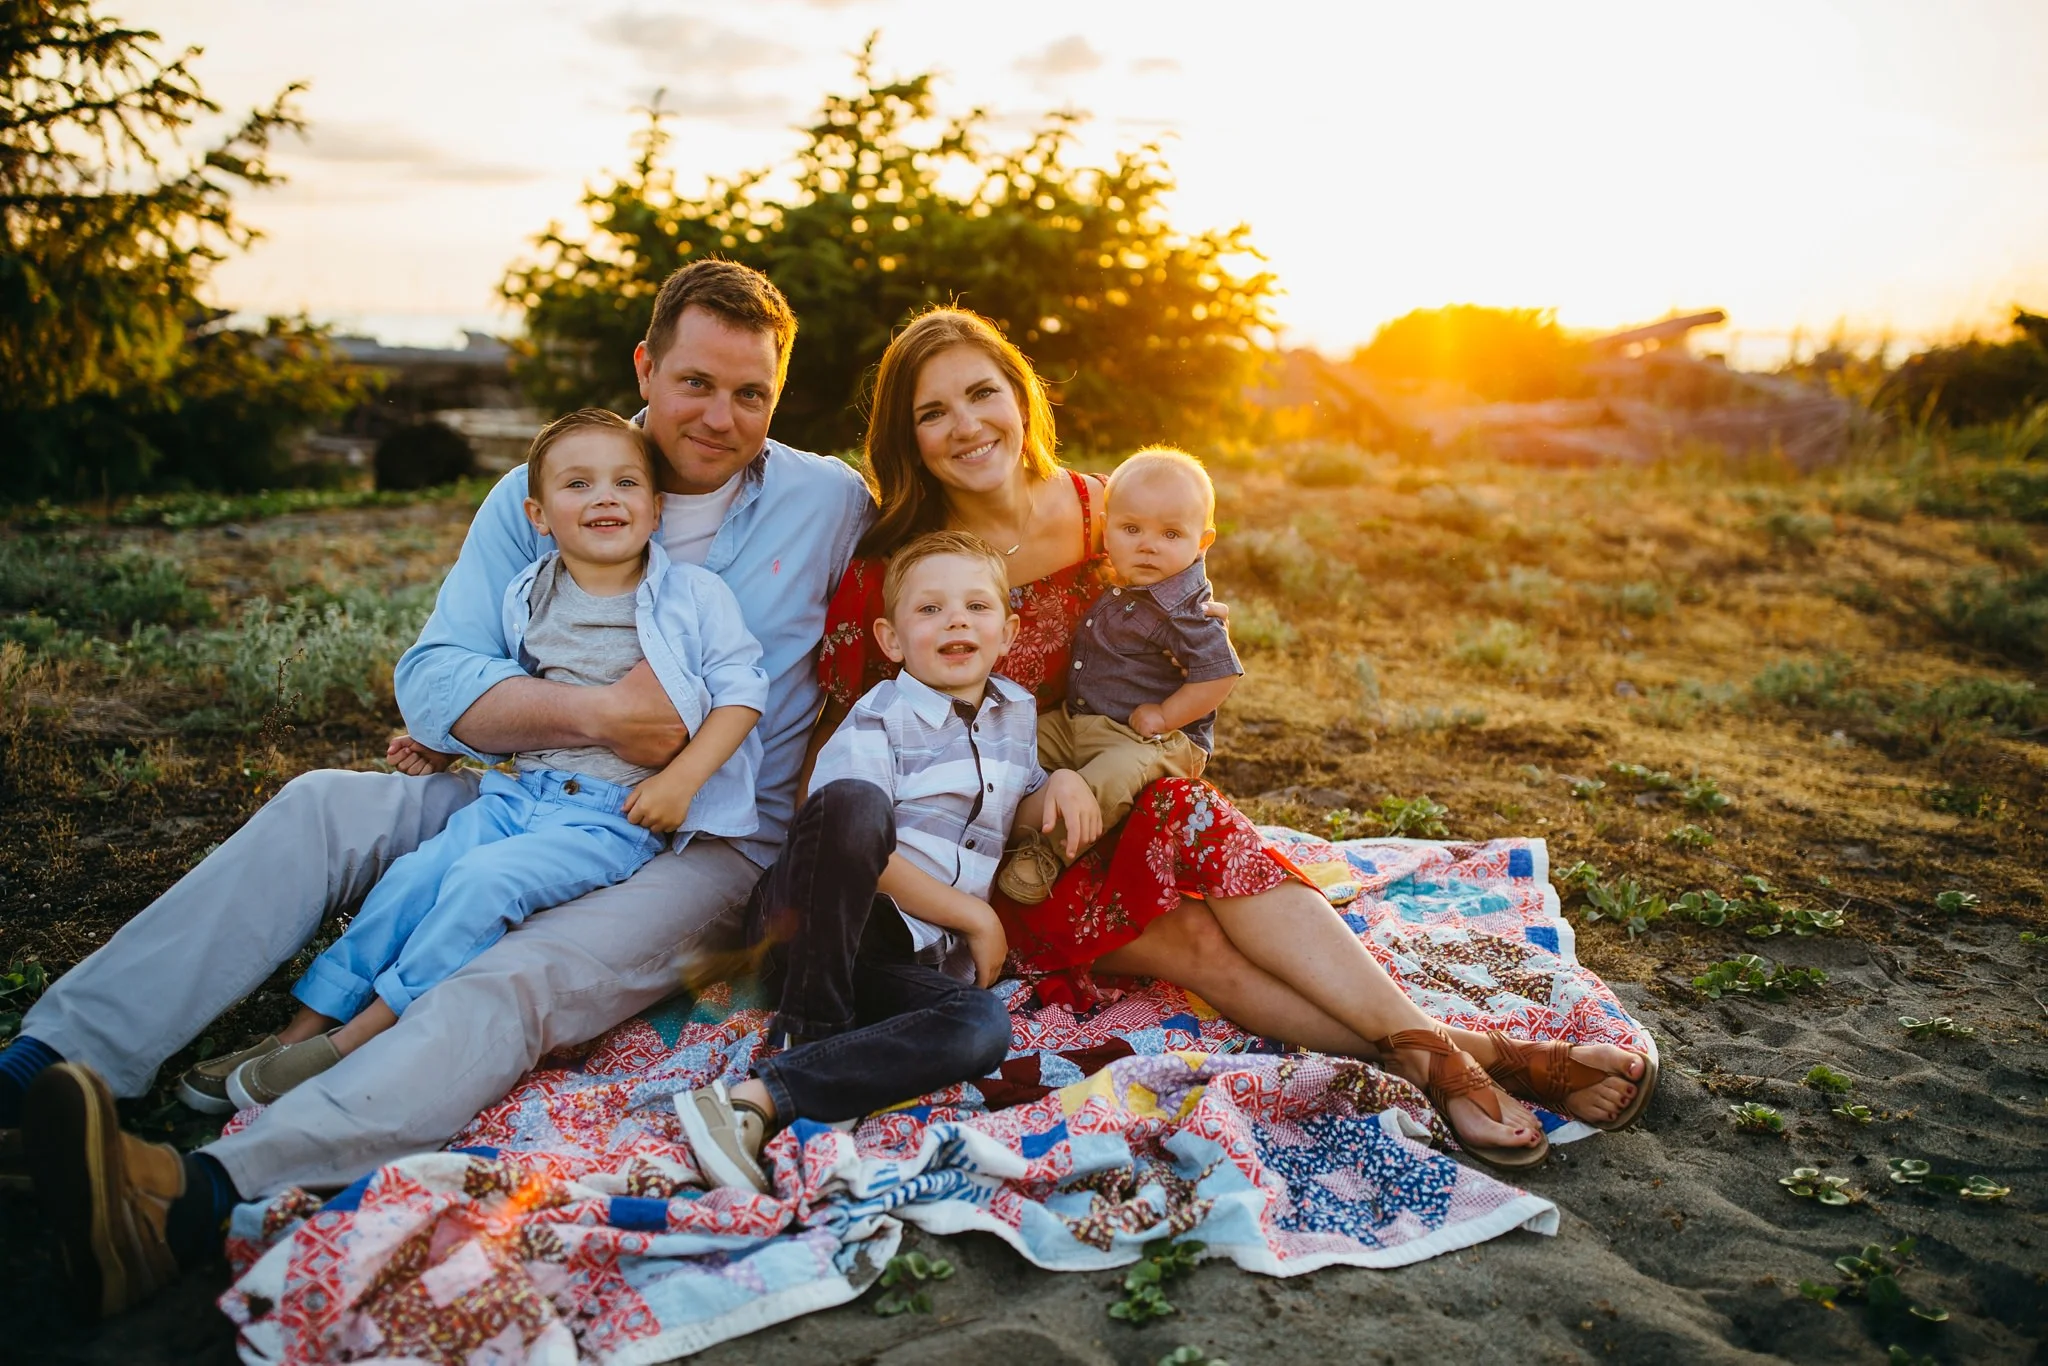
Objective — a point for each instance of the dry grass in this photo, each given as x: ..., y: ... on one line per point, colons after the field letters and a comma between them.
x: 1490, y: 636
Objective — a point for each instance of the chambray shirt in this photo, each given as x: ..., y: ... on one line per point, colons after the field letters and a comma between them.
x: 955, y: 773
x: 782, y: 549
x: 1139, y: 645
x: 691, y: 633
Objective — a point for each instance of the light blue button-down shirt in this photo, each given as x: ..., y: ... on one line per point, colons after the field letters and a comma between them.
x: 693, y: 636
x: 782, y: 549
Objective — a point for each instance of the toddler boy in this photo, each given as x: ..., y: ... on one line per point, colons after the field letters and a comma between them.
x: 572, y: 820
x: 1150, y: 667
x: 875, y: 923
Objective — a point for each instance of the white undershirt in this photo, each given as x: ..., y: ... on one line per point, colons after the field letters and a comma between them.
x: 689, y: 521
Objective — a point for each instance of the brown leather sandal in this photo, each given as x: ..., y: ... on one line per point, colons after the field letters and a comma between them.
x: 1454, y: 1073
x: 1547, y: 1073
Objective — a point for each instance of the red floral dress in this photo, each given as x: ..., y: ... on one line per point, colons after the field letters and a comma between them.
x: 1183, y: 838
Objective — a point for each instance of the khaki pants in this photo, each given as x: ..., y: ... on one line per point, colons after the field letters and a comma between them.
x: 1115, y: 761
x: 562, y: 977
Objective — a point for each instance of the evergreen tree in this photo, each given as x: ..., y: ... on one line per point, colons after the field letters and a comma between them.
x: 108, y: 355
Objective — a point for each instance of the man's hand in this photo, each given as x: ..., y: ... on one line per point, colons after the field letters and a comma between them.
x: 414, y: 759
x: 1149, y: 720
x: 634, y: 719
x: 989, y: 945
x: 1067, y: 798
x: 661, y: 803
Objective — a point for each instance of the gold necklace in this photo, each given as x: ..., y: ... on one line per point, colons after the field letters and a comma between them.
x: 1021, y: 532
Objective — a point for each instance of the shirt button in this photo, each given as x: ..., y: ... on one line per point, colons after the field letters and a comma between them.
x: 572, y: 787
x: 991, y: 787
x: 1089, y: 622
x: 970, y: 844
x: 1116, y: 592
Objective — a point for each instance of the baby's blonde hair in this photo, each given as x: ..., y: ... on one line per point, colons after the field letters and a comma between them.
x: 1153, y: 459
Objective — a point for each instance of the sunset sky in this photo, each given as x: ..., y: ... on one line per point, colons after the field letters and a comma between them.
x: 1875, y: 165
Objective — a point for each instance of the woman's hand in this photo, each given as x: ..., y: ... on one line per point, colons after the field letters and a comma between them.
x: 1067, y: 798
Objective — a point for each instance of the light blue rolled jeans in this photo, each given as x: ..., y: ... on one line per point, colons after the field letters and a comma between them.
x: 523, y: 845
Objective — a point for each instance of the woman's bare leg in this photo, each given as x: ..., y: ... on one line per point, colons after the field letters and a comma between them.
x: 1186, y: 947
x: 1295, y: 935
x: 1191, y: 947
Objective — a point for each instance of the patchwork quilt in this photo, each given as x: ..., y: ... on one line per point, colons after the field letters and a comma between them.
x: 568, y: 1223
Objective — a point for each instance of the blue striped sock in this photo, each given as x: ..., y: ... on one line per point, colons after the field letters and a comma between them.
x: 20, y: 1061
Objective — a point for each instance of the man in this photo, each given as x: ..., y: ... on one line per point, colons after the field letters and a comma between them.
x: 778, y: 525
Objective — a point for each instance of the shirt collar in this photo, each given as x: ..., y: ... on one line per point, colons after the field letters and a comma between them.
x: 933, y: 707
x: 1170, y: 593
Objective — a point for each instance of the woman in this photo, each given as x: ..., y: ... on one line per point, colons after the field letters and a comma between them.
x: 961, y: 435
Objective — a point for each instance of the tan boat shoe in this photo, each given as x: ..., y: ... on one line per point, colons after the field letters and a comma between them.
x: 260, y: 1081
x: 204, y: 1087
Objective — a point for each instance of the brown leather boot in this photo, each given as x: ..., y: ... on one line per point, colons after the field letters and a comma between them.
x: 105, y: 1194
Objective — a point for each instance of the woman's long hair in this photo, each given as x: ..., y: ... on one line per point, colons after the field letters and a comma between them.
x: 912, y: 502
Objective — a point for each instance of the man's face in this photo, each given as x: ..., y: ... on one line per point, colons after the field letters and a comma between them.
x: 709, y: 398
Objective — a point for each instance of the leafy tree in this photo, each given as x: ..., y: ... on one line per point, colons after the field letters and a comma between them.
x: 1511, y: 354
x: 1142, y: 332
x: 113, y: 372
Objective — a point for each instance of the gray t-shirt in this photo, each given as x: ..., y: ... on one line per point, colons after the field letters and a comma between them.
x: 576, y: 638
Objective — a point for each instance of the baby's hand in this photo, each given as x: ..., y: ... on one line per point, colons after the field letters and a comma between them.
x: 1067, y: 798
x: 414, y: 759
x: 661, y: 803
x: 1150, y: 720
x: 989, y: 945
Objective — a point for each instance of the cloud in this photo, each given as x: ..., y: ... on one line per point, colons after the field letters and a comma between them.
x: 1155, y: 66
x: 395, y: 149
x: 365, y: 142
x: 685, y: 45
x: 1068, y: 56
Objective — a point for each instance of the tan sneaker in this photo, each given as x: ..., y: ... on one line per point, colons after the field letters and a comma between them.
x: 260, y: 1081
x: 105, y: 1194
x: 1033, y: 866
x: 726, y: 1137
x: 204, y: 1087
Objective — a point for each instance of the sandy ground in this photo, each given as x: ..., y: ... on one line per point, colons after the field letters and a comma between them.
x: 1677, y: 1242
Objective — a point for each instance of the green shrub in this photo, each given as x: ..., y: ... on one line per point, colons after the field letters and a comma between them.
x: 74, y: 584
x: 1644, y: 598
x: 1976, y: 381
x: 317, y: 651
x: 1323, y: 467
x: 1256, y: 624
x: 1795, y: 531
x: 2006, y: 542
x: 2008, y: 617
x: 1502, y: 646
x: 1874, y: 500
x: 1525, y: 592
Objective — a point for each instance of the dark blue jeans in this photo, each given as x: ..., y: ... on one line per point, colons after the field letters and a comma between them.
x: 878, y: 1026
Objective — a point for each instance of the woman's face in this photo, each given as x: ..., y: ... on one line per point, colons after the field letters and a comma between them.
x: 970, y: 429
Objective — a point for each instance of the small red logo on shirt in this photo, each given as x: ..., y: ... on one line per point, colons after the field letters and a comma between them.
x: 776, y: 568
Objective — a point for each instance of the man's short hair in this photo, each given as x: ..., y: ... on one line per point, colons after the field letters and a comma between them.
x: 934, y: 543
x: 738, y: 295
x: 1157, y: 459
x: 586, y: 420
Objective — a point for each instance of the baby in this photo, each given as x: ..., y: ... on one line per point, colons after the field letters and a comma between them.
x: 572, y: 820
x: 1150, y: 667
